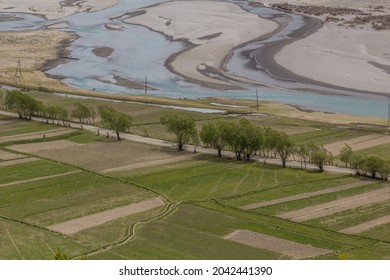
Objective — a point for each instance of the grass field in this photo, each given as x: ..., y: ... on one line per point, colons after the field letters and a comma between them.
x: 203, y: 195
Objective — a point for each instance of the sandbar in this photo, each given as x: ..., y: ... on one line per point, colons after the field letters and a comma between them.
x: 211, y: 28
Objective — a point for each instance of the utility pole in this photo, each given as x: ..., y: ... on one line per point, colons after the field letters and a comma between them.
x: 388, y: 110
x: 146, y: 84
x: 18, y: 72
x: 257, y: 100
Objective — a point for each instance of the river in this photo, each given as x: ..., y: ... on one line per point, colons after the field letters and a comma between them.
x: 139, y: 52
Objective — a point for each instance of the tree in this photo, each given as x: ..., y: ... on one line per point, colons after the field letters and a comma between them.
x: 283, y: 146
x: 303, y: 151
x: 320, y: 156
x: 357, y: 163
x: 117, y: 121
x: 233, y: 137
x: 2, y: 100
x: 213, y: 134
x: 22, y: 104
x: 251, y: 137
x: 373, y: 165
x: 183, y: 127
x: 85, y: 114
x: 346, y: 155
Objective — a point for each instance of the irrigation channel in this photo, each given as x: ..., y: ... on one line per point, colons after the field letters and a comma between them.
x: 139, y: 52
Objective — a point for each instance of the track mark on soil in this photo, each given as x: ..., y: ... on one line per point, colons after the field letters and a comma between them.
x: 79, y: 224
x: 13, y: 244
x: 306, y: 195
x: 289, y: 248
x: 339, y: 205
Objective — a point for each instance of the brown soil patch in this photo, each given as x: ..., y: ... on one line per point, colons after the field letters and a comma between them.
x: 8, y: 156
x: 38, y: 179
x: 36, y: 135
x: 306, y: 195
x: 358, y: 143
x: 17, y: 161
x: 98, y: 155
x: 79, y: 224
x: 289, y: 248
x: 149, y: 163
x: 368, y: 225
x: 339, y: 205
x: 44, y: 146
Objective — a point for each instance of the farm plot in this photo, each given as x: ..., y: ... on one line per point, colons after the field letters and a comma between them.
x: 79, y: 224
x: 100, y: 155
x: 36, y: 135
x: 291, y: 249
x: 329, y: 208
x: 305, y: 195
x: 294, y: 205
x: 31, y: 170
x: 4, y: 155
x: 20, y: 241
x: 358, y: 143
x: 56, y: 200
x: 367, y: 220
x: 223, y: 178
x: 382, y: 151
x: 14, y: 127
x: 186, y: 233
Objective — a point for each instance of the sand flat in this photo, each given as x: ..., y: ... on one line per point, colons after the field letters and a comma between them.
x: 290, y: 248
x: 341, y: 57
x: 199, y: 22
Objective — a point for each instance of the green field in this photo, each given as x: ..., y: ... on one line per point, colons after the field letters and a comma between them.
x: 203, y: 195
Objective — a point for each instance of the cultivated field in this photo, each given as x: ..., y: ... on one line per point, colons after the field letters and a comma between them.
x: 95, y: 197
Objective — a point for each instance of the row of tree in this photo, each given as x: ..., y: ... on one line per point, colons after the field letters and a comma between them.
x: 367, y: 166
x: 27, y: 107
x: 244, y: 139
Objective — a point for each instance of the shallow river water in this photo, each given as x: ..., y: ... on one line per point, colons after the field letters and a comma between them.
x: 139, y: 52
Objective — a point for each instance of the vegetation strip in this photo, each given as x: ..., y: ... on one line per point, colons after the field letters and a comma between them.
x: 76, y: 225
x: 39, y: 178
x: 306, y: 195
x: 329, y: 208
x: 292, y: 249
x: 18, y: 161
x: 368, y: 225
